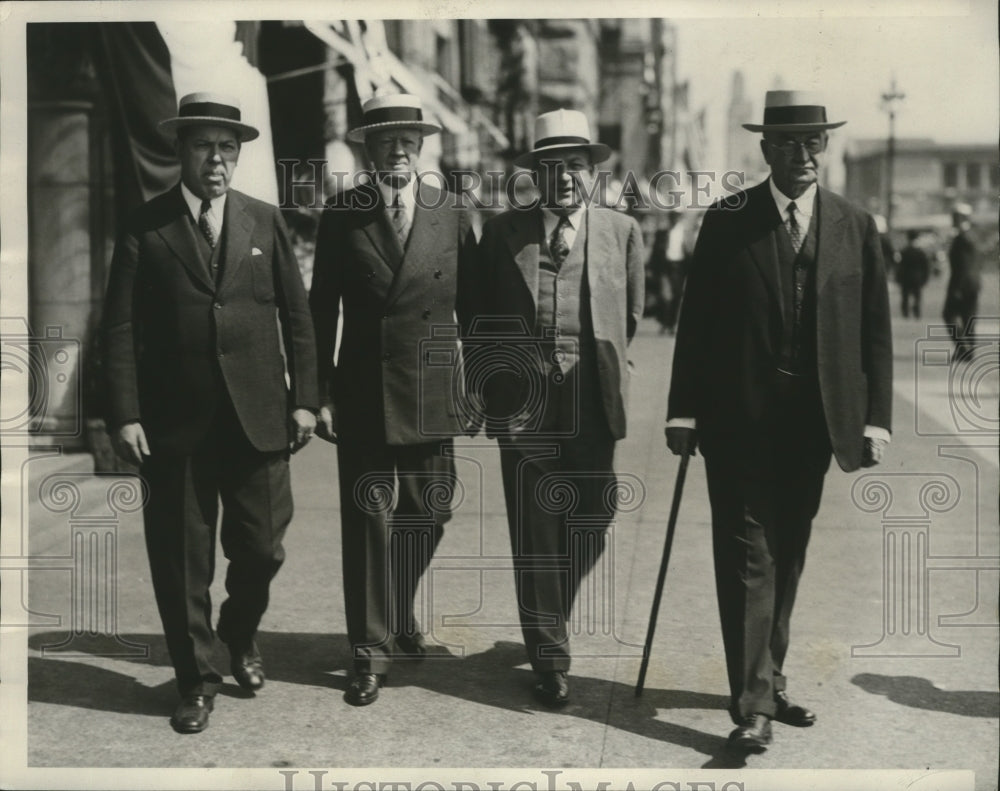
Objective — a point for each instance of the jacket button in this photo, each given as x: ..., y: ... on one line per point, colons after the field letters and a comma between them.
x: 438, y: 273
x: 221, y: 355
x: 426, y: 314
x: 217, y: 306
x: 386, y: 357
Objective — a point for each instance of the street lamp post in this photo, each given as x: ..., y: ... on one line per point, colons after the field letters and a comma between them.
x: 890, y: 101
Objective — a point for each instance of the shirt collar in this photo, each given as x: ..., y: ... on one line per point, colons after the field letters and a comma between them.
x: 406, y: 192
x: 803, y: 204
x: 551, y: 219
x: 194, y: 203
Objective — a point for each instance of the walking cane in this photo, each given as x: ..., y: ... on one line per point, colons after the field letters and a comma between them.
x: 667, y: 544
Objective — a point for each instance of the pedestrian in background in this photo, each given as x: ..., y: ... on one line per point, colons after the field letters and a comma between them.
x: 571, y: 278
x: 397, y: 253
x: 913, y: 274
x: 964, y: 282
x: 201, y: 279
x: 783, y: 356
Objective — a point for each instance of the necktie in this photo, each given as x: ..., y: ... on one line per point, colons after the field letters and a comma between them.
x: 794, y: 229
x: 399, y: 222
x: 203, y: 223
x: 557, y: 244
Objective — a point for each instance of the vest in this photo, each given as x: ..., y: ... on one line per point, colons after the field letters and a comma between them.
x: 797, y: 353
x: 211, y: 257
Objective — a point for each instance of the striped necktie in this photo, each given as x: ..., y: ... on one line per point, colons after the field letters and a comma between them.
x: 399, y: 221
x: 557, y: 245
x: 794, y: 229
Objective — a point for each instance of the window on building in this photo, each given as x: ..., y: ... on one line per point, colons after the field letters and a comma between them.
x: 972, y: 176
x: 394, y: 35
x: 950, y: 175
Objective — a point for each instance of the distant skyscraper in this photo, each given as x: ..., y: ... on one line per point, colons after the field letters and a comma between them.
x: 743, y: 151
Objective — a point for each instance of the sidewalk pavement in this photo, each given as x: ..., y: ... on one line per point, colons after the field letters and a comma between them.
x: 899, y: 662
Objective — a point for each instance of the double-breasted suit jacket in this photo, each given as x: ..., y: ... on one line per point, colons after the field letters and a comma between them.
x: 397, y: 390
x: 398, y: 375
x: 508, y: 272
x: 177, y: 343
x: 732, y: 319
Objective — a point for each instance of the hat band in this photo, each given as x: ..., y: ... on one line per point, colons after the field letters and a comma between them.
x: 210, y: 109
x: 562, y: 140
x: 394, y: 114
x: 795, y: 114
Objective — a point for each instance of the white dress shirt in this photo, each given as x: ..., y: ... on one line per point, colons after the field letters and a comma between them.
x: 215, y: 213
x: 805, y: 204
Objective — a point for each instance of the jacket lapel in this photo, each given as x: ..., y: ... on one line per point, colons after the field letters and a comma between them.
x: 522, y: 240
x: 762, y: 224
x: 178, y: 234
x: 829, y: 242
x: 420, y: 244
x: 380, y: 231
x: 599, y: 254
x: 237, y: 227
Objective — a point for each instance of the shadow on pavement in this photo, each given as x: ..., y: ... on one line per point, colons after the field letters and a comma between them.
x: 492, y: 677
x: 919, y: 693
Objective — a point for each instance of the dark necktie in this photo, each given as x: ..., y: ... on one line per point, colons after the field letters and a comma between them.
x: 206, y: 227
x: 794, y: 229
x: 399, y: 222
x: 557, y: 245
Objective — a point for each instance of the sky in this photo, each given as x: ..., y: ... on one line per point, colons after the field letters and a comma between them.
x: 944, y: 56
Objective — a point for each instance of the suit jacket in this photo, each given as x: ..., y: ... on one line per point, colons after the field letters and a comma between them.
x: 176, y: 343
x: 730, y: 330
x: 508, y: 272
x: 398, y: 375
x: 965, y: 279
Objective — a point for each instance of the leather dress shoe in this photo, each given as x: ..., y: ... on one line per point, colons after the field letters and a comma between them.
x: 413, y: 645
x: 753, y: 734
x: 247, y: 666
x: 191, y: 714
x: 363, y: 688
x: 790, y: 714
x: 552, y: 688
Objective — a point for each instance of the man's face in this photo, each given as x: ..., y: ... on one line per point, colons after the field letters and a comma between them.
x: 562, y: 174
x: 794, y: 158
x: 394, y: 153
x: 208, y: 156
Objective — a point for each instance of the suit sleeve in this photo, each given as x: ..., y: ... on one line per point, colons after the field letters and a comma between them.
x: 120, y: 334
x: 876, y: 332
x: 690, y: 347
x: 324, y: 302
x: 296, y: 324
x: 635, y: 268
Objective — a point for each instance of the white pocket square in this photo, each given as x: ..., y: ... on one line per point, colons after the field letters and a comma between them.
x: 256, y: 251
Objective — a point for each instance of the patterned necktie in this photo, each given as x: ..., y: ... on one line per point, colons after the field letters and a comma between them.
x: 399, y: 222
x: 557, y: 245
x: 203, y: 223
x: 794, y: 229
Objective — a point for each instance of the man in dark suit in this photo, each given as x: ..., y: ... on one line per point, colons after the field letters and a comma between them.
x: 913, y: 273
x: 562, y: 293
x: 203, y: 396
x: 964, y: 282
x: 396, y: 253
x: 783, y: 355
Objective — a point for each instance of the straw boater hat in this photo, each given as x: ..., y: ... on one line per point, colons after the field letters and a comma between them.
x: 394, y: 111
x: 793, y: 111
x: 210, y: 108
x: 559, y: 130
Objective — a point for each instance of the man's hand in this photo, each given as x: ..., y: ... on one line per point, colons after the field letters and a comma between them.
x: 682, y: 441
x: 874, y: 448
x: 129, y: 443
x: 303, y: 425
x: 326, y: 428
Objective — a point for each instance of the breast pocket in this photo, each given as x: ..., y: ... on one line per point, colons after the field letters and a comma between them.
x: 263, y: 278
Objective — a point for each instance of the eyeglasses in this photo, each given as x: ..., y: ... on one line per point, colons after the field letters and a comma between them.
x: 791, y: 146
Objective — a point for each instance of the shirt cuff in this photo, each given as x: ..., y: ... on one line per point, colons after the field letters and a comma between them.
x: 877, y: 432
x: 682, y: 422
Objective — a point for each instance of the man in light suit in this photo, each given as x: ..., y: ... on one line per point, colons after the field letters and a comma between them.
x: 783, y: 355
x: 396, y: 253
x: 198, y: 395
x: 561, y: 296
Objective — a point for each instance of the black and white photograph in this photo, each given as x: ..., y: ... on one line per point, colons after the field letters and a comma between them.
x: 507, y: 397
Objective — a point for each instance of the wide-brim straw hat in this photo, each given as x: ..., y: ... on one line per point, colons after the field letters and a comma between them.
x: 558, y: 130
x: 215, y: 109
x: 793, y: 111
x: 395, y: 111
